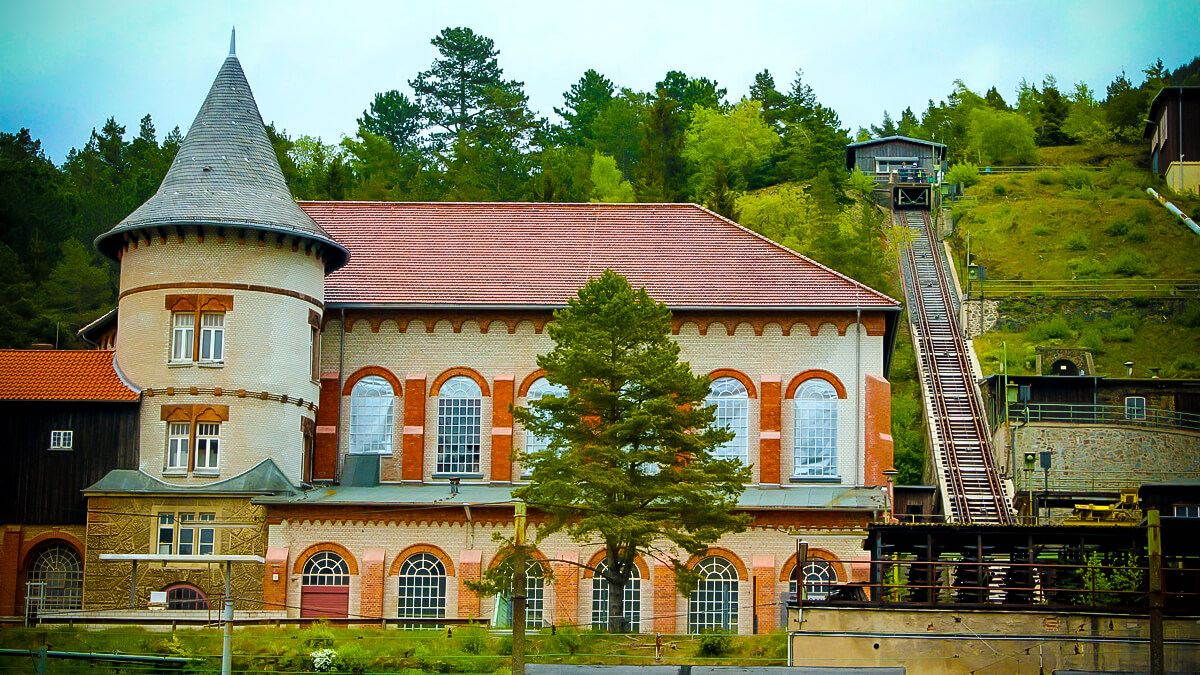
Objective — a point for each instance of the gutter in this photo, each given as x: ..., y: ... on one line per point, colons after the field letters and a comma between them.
x: 898, y: 307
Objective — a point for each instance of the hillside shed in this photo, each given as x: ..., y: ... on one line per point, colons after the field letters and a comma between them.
x: 1173, y: 129
x: 891, y: 159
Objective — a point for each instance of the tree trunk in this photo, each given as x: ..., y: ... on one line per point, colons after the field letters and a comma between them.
x: 616, y: 606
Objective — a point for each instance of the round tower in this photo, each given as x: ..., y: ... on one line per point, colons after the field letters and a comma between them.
x: 222, y: 294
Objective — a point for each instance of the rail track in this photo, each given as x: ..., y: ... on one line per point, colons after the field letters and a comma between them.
x: 969, y: 482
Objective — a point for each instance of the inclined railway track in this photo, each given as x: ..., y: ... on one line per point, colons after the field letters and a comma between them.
x: 968, y: 478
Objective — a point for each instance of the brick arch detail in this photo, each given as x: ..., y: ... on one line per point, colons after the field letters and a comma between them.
x: 456, y: 371
x: 537, y: 555
x: 738, y: 375
x: 421, y: 548
x: 839, y: 568
x: 815, y: 373
x: 309, y: 552
x: 365, y: 371
x: 526, y: 383
x: 28, y: 547
x: 643, y: 570
x: 725, y: 553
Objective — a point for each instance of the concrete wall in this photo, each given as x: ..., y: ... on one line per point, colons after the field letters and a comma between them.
x: 949, y: 642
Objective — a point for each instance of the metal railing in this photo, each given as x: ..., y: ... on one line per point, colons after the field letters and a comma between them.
x: 1107, y: 288
x: 985, y: 170
x: 1116, y: 415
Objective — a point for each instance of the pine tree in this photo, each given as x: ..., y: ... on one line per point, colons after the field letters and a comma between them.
x: 582, y: 104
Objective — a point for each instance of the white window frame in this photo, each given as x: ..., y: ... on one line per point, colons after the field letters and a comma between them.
x: 212, y: 337
x: 633, y: 599
x: 1187, y: 511
x: 372, y: 416
x: 183, y: 336
x: 421, y: 587
x: 325, y: 568
x: 815, y: 433
x: 819, y: 579
x: 460, y: 414
x: 714, y: 603
x: 1135, y: 408
x: 208, y: 445
x: 62, y: 439
x: 186, y: 533
x: 178, y: 446
x: 534, y: 443
x: 732, y: 402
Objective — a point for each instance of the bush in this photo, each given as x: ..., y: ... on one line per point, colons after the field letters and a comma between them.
x: 1128, y: 320
x: 1077, y: 242
x: 1077, y: 178
x: 1086, y: 268
x: 999, y: 190
x: 353, y: 659
x: 1184, y: 365
x: 1054, y: 329
x: 1091, y: 340
x: 1044, y: 178
x: 1190, y: 316
x: 1130, y: 264
x: 319, y: 635
x: 324, y: 660
x: 1114, y: 334
x: 1141, y: 214
x: 1137, y: 235
x: 1117, y: 227
x: 715, y: 643
x: 966, y: 173
x: 1040, y: 230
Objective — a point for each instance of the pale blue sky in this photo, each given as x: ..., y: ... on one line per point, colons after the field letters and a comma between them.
x: 65, y: 66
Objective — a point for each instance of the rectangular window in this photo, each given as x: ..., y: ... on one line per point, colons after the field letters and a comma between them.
x: 208, y: 441
x: 187, y: 534
x: 62, y: 440
x: 212, y: 337
x: 314, y: 350
x: 458, y: 435
x: 1135, y: 407
x: 177, y: 446
x: 166, y: 533
x: 183, y: 326
x: 1187, y: 510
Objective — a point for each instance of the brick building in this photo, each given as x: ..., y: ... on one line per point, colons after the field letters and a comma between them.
x: 314, y: 375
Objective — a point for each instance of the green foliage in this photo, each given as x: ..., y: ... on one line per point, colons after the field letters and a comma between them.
x: 1190, y: 316
x: 1043, y: 178
x: 612, y: 470
x: 318, y: 636
x: 1117, y: 227
x: 1111, y: 580
x: 860, y: 184
x: 714, y: 644
x: 608, y: 184
x: 1090, y: 339
x: 1137, y: 235
x: 1054, y: 329
x: 353, y: 659
x: 1077, y: 178
x: 1077, y: 242
x: 963, y: 173
x: 1040, y: 230
x: 1001, y: 137
x: 999, y: 190
x: 1130, y: 264
x: 583, y: 104
x: 727, y: 146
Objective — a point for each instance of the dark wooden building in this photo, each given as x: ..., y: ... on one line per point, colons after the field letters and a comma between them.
x: 68, y: 418
x: 910, y: 166
x: 1164, y: 402
x: 1173, y: 129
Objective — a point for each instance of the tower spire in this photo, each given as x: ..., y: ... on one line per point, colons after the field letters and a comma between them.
x: 233, y: 41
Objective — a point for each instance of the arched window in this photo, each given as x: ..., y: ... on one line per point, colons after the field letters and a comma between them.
x: 534, y: 443
x: 714, y: 603
x: 326, y: 568
x: 633, y: 600
x: 819, y: 580
x: 186, y: 596
x: 816, y: 429
x: 371, y: 409
x: 459, y: 405
x: 422, y: 587
x: 535, y: 599
x: 732, y: 402
x: 55, y: 579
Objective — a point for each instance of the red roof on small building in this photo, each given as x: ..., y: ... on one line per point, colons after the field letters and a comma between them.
x: 53, y: 375
x: 540, y: 254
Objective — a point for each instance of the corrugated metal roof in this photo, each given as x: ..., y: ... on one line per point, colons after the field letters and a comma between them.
x: 62, y: 375
x: 539, y: 255
x: 873, y: 141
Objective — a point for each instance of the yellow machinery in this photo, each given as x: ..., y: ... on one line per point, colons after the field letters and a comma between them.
x: 1126, y: 511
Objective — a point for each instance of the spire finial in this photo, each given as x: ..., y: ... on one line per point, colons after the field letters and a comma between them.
x: 233, y: 41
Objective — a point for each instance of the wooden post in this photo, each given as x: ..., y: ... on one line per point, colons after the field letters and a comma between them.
x: 518, y: 595
x: 1154, y: 548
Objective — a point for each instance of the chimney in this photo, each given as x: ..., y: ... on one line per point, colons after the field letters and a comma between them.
x: 42, y: 347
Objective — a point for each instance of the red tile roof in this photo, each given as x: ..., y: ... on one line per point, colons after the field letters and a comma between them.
x: 523, y: 255
x: 52, y: 375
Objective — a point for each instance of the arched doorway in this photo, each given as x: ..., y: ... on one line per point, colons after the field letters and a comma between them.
x: 325, y: 586
x: 54, y: 580
x: 1064, y: 367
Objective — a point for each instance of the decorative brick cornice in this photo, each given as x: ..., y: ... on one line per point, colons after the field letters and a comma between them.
x: 220, y: 391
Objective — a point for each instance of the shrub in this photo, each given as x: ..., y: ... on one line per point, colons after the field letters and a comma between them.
x: 1054, y: 329
x: 1117, y: 227
x: 1190, y: 316
x: 1077, y: 178
x: 715, y: 643
x: 472, y: 639
x: 1086, y: 268
x: 353, y: 659
x: 1091, y: 340
x: 1114, y: 334
x: 319, y: 635
x: 1141, y: 214
x: 999, y: 190
x: 1077, y: 242
x: 1184, y: 365
x: 1128, y: 320
x: 1130, y: 264
x: 1137, y: 235
x: 966, y: 173
x: 1085, y: 193
x: 1044, y: 178
x: 324, y: 660
x: 1040, y: 230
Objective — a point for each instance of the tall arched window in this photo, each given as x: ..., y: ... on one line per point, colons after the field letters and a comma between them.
x: 534, y: 443
x: 815, y: 452
x: 535, y: 599
x: 732, y: 402
x: 422, y: 587
x: 459, y: 405
x: 714, y: 603
x: 819, y: 580
x: 372, y: 402
x: 58, y: 572
x: 633, y: 600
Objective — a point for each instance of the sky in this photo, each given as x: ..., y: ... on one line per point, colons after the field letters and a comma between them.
x: 68, y: 65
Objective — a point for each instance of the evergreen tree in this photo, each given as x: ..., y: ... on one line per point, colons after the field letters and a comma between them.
x: 813, y: 141
x: 463, y: 84
x: 396, y: 119
x: 582, y: 104
x: 909, y: 125
x: 771, y: 99
x: 886, y: 129
x: 995, y: 100
x: 1054, y: 114
x: 630, y: 460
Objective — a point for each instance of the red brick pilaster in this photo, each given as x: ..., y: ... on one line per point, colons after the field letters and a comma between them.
x: 770, y: 399
x: 413, y: 462
x: 469, y: 568
x: 502, y: 426
x: 566, y: 589
x: 765, y: 600
x: 664, y: 600
x: 10, y: 563
x: 370, y: 578
x: 325, y: 445
x: 878, y: 442
x: 275, y: 575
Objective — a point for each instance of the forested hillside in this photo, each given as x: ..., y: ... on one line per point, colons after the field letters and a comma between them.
x: 774, y: 160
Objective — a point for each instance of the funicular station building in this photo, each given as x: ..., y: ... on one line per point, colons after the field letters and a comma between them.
x: 330, y: 386
x: 907, y: 169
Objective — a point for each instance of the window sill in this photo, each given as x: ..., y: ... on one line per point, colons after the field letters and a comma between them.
x: 206, y: 472
x: 815, y: 479
x: 369, y: 454
x: 458, y: 475
x: 211, y: 364
x: 180, y: 364
x: 60, y: 449
x: 175, y: 472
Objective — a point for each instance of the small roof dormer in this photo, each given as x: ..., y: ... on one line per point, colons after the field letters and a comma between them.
x: 226, y: 174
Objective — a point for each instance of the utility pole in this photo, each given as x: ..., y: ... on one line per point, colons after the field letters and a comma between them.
x: 227, y: 629
x: 518, y: 595
x: 1154, y: 548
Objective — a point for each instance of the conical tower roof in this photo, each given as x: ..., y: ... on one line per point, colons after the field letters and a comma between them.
x: 226, y: 173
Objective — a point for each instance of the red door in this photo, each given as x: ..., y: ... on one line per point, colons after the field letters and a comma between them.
x: 324, y: 601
